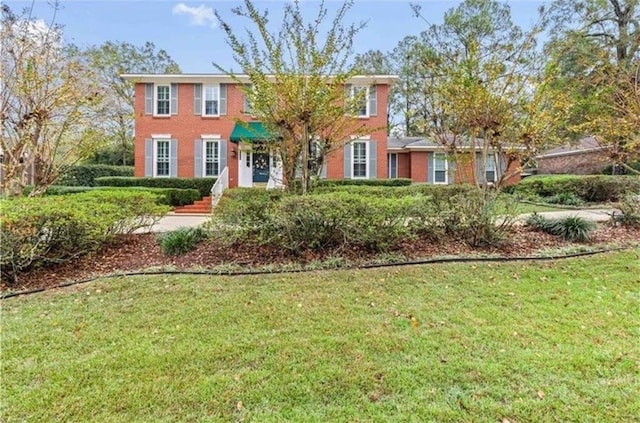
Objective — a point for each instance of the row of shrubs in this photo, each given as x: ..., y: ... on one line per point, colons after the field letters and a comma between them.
x: 37, y: 232
x: 203, y: 185
x: 576, y: 189
x: 169, y: 196
x: 366, y: 218
x: 86, y: 175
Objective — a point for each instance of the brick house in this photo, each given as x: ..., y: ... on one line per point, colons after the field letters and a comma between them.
x: 424, y: 161
x: 186, y: 126
x: 586, y: 157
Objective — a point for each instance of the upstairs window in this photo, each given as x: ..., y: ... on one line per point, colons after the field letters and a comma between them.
x: 211, y: 100
x: 361, y: 94
x: 163, y: 100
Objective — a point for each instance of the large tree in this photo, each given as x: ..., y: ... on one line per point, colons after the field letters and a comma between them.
x: 596, y: 46
x: 115, y: 113
x: 486, y: 88
x: 298, y: 76
x: 47, y: 93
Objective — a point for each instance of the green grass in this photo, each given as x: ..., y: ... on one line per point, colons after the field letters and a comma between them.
x: 475, y: 342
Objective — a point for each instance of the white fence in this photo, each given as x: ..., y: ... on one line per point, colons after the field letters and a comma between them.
x: 218, y: 188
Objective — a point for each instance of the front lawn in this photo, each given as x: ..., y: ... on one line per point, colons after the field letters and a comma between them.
x: 538, y: 341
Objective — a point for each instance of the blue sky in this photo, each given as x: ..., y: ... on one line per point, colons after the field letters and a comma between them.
x: 189, y: 33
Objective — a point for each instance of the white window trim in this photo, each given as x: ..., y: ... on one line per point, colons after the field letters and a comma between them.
x: 446, y: 169
x: 491, y: 158
x: 204, y: 156
x: 155, y: 99
x: 204, y: 100
x: 155, y: 157
x: 353, y: 95
x: 366, y: 159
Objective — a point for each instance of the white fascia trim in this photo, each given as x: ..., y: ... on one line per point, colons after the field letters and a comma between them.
x: 198, y: 78
x: 161, y: 136
x: 572, y: 153
x: 360, y: 137
x: 210, y: 136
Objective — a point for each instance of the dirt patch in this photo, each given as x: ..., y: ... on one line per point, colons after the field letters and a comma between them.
x: 138, y: 252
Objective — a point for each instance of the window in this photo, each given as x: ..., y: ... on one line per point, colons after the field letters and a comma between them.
x: 161, y: 158
x: 361, y: 94
x: 440, y: 167
x: 211, y: 100
x: 163, y: 100
x: 211, y: 158
x: 490, y: 169
x: 359, y: 159
x: 393, y: 165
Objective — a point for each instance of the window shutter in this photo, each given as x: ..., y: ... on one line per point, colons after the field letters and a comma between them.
x: 323, y: 169
x: 174, y: 99
x: 347, y: 96
x: 148, y: 157
x: 173, y: 158
x: 347, y: 161
x: 451, y: 174
x: 197, y: 99
x: 431, y: 166
x: 501, y: 165
x: 148, y: 99
x: 223, y: 99
x: 373, y: 159
x: 373, y: 100
x: 479, y: 176
x: 246, y: 106
x: 223, y: 154
x: 197, y: 158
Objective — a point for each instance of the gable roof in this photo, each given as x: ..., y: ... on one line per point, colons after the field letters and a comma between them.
x: 584, y: 145
x: 220, y: 78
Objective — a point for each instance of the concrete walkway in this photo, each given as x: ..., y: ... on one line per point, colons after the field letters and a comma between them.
x: 174, y: 221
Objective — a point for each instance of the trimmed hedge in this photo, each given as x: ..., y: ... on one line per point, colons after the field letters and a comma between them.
x: 85, y: 175
x: 203, y: 185
x: 54, y: 229
x: 170, y: 196
x: 589, y: 188
x: 396, y: 182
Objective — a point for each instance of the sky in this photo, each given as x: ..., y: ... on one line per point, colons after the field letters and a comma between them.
x: 190, y: 33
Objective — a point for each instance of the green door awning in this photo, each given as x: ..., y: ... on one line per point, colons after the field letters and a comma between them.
x: 250, y: 132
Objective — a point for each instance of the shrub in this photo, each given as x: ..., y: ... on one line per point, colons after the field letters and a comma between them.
x: 630, y: 208
x: 590, y: 188
x: 564, y: 198
x: 396, y: 182
x: 571, y: 228
x: 85, y: 175
x: 169, y: 196
x: 203, y: 185
x: 181, y: 241
x: 41, y: 231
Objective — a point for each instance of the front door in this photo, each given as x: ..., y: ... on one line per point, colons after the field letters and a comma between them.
x: 260, y: 167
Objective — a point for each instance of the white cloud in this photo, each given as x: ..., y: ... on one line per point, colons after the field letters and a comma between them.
x: 200, y: 16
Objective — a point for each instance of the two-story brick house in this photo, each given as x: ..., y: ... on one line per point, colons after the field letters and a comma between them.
x: 186, y: 126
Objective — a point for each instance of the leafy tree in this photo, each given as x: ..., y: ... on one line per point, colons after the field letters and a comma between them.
x: 597, y: 50
x: 109, y: 61
x: 486, y: 87
x: 47, y: 93
x: 298, y: 76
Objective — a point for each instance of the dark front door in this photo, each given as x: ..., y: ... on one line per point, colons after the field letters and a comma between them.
x: 260, y: 167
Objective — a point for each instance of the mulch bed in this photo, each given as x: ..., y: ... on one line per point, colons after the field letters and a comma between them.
x: 139, y: 252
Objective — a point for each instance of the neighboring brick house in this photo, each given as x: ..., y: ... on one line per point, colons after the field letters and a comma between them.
x: 186, y: 126
x: 587, y: 157
x: 424, y: 161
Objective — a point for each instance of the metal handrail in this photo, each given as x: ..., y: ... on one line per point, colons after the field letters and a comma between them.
x: 218, y: 188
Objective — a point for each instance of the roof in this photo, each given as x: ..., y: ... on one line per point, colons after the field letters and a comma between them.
x: 424, y: 143
x: 584, y: 145
x: 220, y: 78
